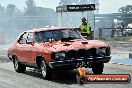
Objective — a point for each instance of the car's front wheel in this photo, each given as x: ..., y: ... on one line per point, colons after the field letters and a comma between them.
x: 97, y: 68
x: 45, y: 71
x: 20, y: 68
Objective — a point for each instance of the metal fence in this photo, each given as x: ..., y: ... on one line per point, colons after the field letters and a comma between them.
x: 113, y: 32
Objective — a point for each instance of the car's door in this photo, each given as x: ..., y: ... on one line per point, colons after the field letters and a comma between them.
x: 30, y: 48
x: 21, y: 47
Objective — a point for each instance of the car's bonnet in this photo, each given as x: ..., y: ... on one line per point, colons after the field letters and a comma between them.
x: 73, y: 45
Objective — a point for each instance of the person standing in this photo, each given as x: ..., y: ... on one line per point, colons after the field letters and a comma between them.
x: 85, y: 28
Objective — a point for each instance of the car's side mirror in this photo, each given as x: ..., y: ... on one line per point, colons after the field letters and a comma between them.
x: 30, y: 42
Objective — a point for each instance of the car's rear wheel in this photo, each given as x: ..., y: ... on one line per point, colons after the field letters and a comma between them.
x: 20, y: 68
x: 45, y: 71
x: 97, y: 68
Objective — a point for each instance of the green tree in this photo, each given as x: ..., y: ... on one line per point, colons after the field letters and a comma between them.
x: 2, y: 11
x: 125, y: 9
x: 66, y: 2
x: 11, y: 10
x: 30, y: 8
x: 88, y: 1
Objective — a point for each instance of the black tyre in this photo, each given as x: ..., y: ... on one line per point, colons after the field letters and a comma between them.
x: 20, y: 68
x: 45, y: 71
x: 97, y: 68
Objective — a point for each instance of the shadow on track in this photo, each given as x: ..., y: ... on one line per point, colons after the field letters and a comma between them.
x: 62, y: 77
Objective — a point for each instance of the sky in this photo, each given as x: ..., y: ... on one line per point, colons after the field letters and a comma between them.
x: 21, y: 3
x: 112, y: 6
x: 106, y: 6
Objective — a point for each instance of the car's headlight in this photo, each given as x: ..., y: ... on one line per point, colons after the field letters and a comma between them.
x: 104, y: 51
x: 60, y: 55
x: 101, y: 51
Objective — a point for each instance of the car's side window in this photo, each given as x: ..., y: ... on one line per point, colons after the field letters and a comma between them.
x: 39, y: 37
x: 23, y: 38
x: 30, y: 37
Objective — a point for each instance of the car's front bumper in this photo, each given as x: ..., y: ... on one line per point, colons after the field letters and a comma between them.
x: 74, y: 62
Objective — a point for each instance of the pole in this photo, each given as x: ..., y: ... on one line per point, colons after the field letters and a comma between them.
x: 94, y: 26
x: 61, y: 20
x: 68, y: 19
x: 57, y: 19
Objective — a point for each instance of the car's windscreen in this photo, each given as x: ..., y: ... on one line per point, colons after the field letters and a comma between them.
x: 56, y: 35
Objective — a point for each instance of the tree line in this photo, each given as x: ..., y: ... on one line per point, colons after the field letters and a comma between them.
x: 32, y: 16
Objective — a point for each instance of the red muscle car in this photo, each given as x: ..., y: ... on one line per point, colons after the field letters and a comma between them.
x: 50, y: 49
